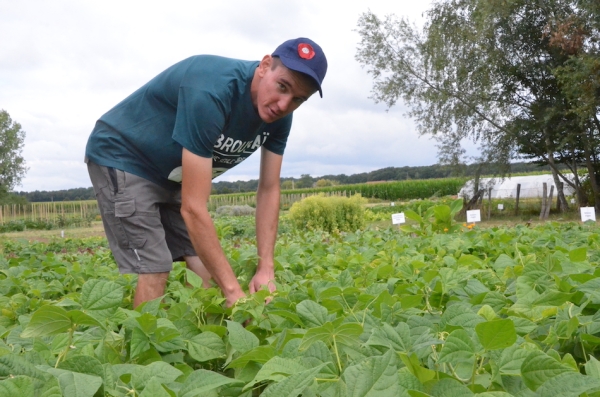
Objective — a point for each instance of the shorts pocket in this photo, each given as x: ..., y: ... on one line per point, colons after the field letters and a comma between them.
x: 124, y: 209
x: 129, y: 228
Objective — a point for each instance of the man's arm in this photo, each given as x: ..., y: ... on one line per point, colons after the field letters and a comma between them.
x: 195, y: 192
x: 267, y: 218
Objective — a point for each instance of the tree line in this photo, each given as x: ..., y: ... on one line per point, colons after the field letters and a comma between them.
x: 383, y: 174
x: 12, y: 169
x: 304, y: 181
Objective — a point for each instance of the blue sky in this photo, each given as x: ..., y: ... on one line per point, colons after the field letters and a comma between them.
x: 63, y: 63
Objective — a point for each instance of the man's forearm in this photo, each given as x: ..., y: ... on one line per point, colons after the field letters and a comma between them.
x: 267, y: 218
x: 206, y: 243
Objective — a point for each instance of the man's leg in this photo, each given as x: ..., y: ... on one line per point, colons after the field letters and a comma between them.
x: 195, y: 264
x: 178, y: 239
x: 132, y: 222
x: 149, y: 286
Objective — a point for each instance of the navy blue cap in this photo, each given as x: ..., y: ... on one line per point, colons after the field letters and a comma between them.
x: 305, y: 56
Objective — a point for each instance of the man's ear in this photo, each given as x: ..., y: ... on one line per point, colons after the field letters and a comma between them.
x: 265, y: 65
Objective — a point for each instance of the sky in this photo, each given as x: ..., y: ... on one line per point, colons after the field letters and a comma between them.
x: 64, y: 63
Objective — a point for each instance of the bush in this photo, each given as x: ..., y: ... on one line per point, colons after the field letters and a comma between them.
x: 12, y: 226
x: 39, y: 224
x: 235, y: 210
x: 7, y: 198
x: 332, y: 214
x: 239, y: 226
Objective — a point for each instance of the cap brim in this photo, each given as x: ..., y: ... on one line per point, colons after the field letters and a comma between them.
x: 301, y: 67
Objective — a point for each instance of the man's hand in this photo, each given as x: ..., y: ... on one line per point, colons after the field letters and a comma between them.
x: 267, y: 216
x: 263, y: 277
x: 232, y: 299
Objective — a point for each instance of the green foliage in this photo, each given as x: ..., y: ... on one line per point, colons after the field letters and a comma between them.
x: 75, y: 194
x: 462, y: 81
x: 58, y: 213
x: 12, y: 163
x: 490, y: 312
x: 404, y: 190
x: 436, y: 219
x: 326, y: 182
x: 330, y: 214
x: 235, y: 226
x: 384, y: 212
x: 43, y: 224
x: 435, y: 171
x: 11, y: 199
x: 235, y: 210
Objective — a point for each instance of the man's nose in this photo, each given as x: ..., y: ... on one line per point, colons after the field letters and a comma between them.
x: 284, y: 103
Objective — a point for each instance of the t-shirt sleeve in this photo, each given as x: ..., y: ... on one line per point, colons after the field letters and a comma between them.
x: 199, y: 120
x: 278, y: 136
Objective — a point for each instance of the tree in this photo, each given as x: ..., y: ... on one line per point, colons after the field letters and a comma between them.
x: 12, y: 164
x: 287, y: 185
x: 325, y: 182
x: 485, y: 70
x: 305, y: 181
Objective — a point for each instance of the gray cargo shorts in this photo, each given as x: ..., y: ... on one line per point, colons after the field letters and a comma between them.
x: 142, y: 220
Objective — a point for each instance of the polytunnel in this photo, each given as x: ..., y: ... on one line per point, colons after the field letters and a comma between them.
x: 532, y: 186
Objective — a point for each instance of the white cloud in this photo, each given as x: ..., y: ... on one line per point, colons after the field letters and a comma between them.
x: 66, y: 62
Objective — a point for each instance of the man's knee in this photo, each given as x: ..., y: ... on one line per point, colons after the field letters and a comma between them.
x: 150, y: 286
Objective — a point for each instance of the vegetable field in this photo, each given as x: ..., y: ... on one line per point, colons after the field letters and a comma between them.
x: 475, y: 312
x: 56, y: 212
x: 401, y: 190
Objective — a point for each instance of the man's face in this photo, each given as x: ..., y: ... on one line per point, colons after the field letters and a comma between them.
x: 279, y: 91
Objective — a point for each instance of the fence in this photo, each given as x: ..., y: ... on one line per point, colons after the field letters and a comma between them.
x: 49, y: 212
x: 285, y: 202
x: 525, y: 203
x: 397, y: 190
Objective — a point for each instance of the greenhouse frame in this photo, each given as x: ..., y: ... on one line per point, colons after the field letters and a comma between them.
x: 532, y: 186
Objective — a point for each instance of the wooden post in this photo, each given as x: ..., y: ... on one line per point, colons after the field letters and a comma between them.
x: 517, y: 202
x: 544, y: 200
x: 489, y: 203
x: 549, y: 203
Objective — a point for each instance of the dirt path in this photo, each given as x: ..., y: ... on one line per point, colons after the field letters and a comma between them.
x: 96, y: 230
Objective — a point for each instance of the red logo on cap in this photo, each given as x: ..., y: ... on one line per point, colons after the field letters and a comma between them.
x: 305, y: 51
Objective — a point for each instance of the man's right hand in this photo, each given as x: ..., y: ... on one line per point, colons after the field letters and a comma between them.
x: 231, y: 299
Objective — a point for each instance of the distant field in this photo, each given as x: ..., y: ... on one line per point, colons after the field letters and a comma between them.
x: 48, y: 210
x: 87, y: 210
x: 94, y: 230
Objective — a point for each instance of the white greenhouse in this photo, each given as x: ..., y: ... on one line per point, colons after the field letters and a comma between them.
x: 531, y: 186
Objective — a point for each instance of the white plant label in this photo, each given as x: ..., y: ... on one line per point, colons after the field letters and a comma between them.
x: 474, y: 216
x: 393, y: 204
x: 500, y: 207
x: 588, y: 214
x: 398, y: 218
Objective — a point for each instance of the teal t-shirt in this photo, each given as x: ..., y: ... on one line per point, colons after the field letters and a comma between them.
x: 203, y: 104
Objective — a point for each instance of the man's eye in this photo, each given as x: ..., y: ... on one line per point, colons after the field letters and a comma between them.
x: 281, y: 87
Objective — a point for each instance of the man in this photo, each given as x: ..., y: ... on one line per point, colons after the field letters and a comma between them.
x: 153, y: 156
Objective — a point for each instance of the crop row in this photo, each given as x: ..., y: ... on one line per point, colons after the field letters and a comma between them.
x: 491, y: 312
x: 402, y: 190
